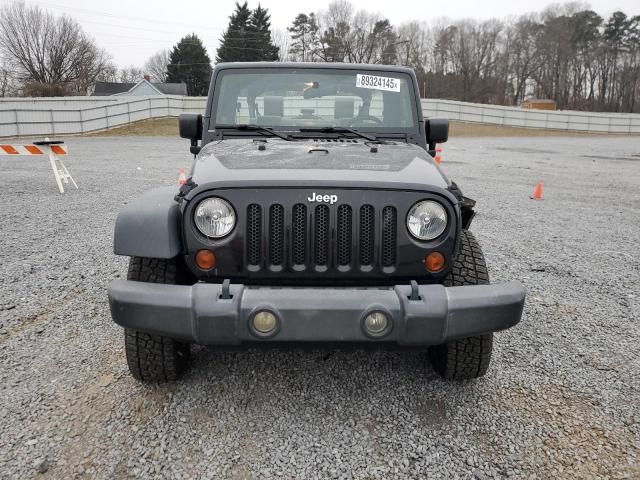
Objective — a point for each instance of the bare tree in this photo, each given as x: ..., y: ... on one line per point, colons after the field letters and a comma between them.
x: 335, y: 25
x: 360, y: 37
x: 131, y: 74
x: 414, y: 44
x: 282, y: 41
x: 48, y: 51
x: 156, y: 66
x: 5, y: 82
x: 522, y: 56
x: 338, y: 12
x: 370, y: 39
x: 109, y: 74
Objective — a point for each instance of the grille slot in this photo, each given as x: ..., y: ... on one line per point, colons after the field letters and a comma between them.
x: 367, y: 235
x: 321, y: 235
x: 334, y: 238
x: 254, y: 229
x: 388, y: 236
x: 276, y: 234
x: 344, y: 235
x: 299, y: 234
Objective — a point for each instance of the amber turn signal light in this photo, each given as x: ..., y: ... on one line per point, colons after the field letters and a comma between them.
x: 206, y: 260
x: 434, y: 262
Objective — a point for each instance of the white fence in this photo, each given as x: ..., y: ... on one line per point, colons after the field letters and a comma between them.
x: 74, y: 115
x: 65, y: 116
x: 541, y: 119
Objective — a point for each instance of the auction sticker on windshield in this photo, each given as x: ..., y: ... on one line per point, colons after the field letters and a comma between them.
x: 377, y: 83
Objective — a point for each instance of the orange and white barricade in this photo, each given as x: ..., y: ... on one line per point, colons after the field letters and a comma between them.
x: 47, y: 147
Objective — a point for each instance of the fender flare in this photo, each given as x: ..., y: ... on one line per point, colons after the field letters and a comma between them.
x: 149, y: 226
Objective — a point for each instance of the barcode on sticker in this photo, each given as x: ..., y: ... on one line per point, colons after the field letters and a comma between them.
x: 377, y: 83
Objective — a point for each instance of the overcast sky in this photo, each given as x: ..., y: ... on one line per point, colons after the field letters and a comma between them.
x: 132, y: 30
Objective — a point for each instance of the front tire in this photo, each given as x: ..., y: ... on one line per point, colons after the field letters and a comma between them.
x: 465, y: 358
x: 151, y: 357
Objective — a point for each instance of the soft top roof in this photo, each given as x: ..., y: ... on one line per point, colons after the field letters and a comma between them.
x: 324, y: 65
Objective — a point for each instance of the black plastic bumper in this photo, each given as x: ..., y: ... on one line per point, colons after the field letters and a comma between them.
x: 198, y: 314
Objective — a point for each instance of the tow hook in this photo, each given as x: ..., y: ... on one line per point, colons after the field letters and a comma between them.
x: 415, y: 295
x: 225, y: 294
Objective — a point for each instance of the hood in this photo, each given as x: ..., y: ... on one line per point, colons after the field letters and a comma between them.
x: 350, y: 163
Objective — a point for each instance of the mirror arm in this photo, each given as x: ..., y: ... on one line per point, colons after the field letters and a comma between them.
x: 194, y: 148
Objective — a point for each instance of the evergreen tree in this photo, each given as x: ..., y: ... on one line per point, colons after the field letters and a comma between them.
x: 304, y: 37
x: 234, y: 44
x: 190, y: 64
x: 260, y: 36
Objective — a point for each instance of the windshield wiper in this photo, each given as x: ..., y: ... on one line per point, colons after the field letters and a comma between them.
x: 257, y: 128
x: 371, y: 138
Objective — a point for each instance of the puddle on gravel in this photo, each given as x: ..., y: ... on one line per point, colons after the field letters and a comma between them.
x: 628, y: 158
x: 432, y: 413
x: 525, y: 150
x: 593, y: 444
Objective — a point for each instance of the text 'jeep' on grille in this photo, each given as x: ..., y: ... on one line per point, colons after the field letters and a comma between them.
x: 314, y: 214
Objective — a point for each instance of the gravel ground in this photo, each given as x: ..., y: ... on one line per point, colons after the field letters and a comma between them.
x: 560, y: 400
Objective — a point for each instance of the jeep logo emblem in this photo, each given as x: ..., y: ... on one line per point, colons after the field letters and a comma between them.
x: 330, y: 199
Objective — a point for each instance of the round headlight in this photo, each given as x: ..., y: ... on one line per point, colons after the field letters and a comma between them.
x: 427, y: 220
x: 214, y: 217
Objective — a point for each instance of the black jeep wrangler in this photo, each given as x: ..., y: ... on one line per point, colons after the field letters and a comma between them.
x: 314, y: 214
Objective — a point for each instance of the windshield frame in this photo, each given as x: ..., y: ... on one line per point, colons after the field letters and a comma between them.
x: 406, y: 74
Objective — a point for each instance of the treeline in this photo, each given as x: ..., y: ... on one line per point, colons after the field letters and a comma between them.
x: 566, y: 53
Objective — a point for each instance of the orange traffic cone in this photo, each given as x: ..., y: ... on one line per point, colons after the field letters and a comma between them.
x: 537, y: 192
x: 438, y: 157
x: 182, y: 178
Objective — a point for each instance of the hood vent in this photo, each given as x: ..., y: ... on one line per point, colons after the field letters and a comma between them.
x: 335, y: 140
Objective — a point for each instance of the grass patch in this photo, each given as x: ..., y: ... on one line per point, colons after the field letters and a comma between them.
x: 466, y: 129
x: 155, y: 127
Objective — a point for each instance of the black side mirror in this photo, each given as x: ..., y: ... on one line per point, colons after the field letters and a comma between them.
x: 437, y: 131
x: 190, y: 126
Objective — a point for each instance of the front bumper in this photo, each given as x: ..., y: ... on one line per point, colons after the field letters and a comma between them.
x: 198, y: 314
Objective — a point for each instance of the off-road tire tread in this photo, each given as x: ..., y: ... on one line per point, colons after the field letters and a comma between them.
x: 465, y: 358
x: 152, y: 270
x: 469, y: 267
x: 151, y: 357
x: 154, y: 358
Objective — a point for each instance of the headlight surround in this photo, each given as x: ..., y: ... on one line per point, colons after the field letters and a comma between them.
x: 426, y: 220
x: 214, y: 217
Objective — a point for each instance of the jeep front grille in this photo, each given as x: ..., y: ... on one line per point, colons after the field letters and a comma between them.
x: 321, y: 237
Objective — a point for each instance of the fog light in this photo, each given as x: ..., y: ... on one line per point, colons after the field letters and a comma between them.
x: 264, y: 322
x: 206, y: 260
x: 376, y: 323
x: 434, y: 262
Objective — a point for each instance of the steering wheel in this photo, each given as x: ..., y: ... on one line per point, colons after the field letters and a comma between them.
x: 366, y: 118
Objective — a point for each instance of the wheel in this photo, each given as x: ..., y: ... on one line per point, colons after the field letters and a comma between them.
x: 465, y: 358
x: 365, y: 118
x: 151, y: 357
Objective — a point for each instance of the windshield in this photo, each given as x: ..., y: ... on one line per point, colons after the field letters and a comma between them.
x: 315, y: 98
